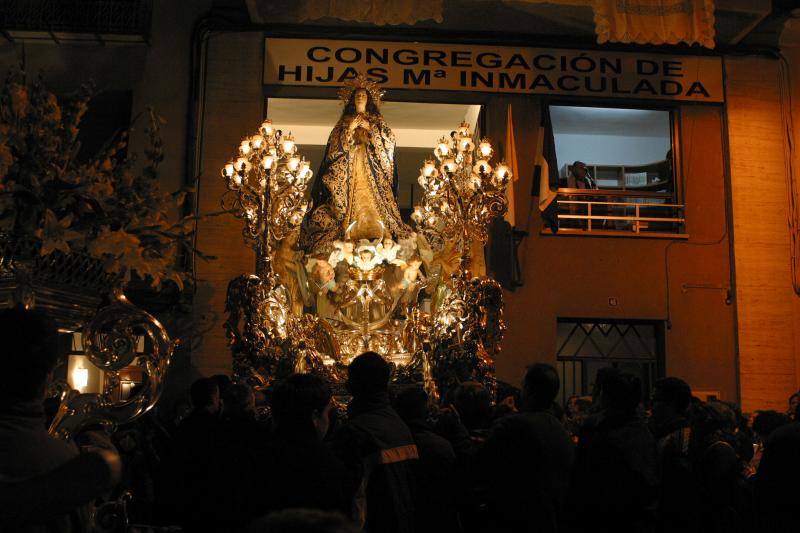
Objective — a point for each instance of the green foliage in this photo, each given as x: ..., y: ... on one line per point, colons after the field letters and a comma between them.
x: 104, y: 207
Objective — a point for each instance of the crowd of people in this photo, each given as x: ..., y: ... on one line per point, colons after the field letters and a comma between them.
x: 393, y: 460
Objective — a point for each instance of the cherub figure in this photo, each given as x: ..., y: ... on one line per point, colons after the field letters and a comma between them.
x: 388, y: 249
x: 343, y: 251
x: 411, y: 273
x: 323, y: 274
x: 366, y: 257
x: 407, y: 247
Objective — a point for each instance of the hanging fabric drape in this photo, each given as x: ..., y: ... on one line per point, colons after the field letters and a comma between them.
x: 648, y: 21
x: 546, y: 171
x: 655, y: 21
x: 379, y: 12
x: 511, y: 160
x: 625, y: 21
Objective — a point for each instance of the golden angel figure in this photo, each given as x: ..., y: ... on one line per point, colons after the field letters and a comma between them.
x: 356, y: 187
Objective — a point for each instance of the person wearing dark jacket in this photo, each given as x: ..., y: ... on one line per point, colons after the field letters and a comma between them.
x: 670, y: 425
x: 528, y: 458
x: 239, y: 423
x: 435, y: 487
x: 246, y: 479
x: 295, y: 468
x: 615, y: 481
x: 378, y: 449
x: 200, y: 430
x: 27, y: 451
x: 723, y: 500
x: 188, y: 478
x: 776, y: 479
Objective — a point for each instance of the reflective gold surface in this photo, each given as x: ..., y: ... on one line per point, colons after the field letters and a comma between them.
x: 412, y: 301
x: 110, y: 340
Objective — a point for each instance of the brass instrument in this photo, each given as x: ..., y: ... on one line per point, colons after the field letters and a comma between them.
x: 111, y: 340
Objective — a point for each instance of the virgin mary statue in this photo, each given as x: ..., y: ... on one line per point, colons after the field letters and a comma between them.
x: 355, y: 191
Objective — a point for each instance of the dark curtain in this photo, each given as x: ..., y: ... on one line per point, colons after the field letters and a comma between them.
x: 548, y: 155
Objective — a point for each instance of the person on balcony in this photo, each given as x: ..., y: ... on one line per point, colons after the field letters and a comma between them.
x: 579, y: 177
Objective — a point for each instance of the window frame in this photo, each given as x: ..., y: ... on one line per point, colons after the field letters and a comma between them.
x: 658, y: 359
x: 675, y: 116
x: 647, y: 105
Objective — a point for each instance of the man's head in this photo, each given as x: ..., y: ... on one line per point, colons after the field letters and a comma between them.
x: 223, y: 382
x: 411, y: 403
x: 540, y: 386
x: 794, y: 406
x: 205, y: 395
x: 765, y: 422
x: 368, y: 374
x: 621, y: 392
x: 579, y: 169
x: 239, y: 400
x: 300, y: 402
x: 671, y: 398
x: 603, y: 373
x: 30, y: 345
x: 474, y: 405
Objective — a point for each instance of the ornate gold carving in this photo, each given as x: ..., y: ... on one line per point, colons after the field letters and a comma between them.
x: 366, y: 275
x: 369, y: 293
x: 467, y: 328
x: 462, y: 193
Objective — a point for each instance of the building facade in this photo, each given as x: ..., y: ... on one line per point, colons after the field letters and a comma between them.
x: 702, y: 289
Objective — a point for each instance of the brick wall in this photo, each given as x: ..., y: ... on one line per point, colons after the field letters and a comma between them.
x: 768, y: 318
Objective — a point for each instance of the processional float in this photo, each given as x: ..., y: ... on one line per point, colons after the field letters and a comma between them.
x: 340, y: 273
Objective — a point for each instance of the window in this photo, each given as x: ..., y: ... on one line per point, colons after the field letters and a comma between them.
x: 587, y: 345
x: 622, y: 148
x: 615, y: 170
x: 108, y: 114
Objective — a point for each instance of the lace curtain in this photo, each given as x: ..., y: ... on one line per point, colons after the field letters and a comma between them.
x: 625, y: 21
x: 655, y: 21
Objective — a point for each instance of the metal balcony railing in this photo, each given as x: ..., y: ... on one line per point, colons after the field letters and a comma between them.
x: 620, y: 213
x: 81, y: 20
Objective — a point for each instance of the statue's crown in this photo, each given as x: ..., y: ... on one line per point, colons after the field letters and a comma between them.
x: 361, y: 82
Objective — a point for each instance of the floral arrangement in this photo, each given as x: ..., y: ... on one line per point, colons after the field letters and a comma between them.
x: 106, y: 207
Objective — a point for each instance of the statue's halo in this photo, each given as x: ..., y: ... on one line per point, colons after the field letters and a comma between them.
x: 361, y: 82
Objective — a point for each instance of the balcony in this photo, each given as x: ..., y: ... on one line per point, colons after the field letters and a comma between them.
x: 86, y: 21
x: 619, y: 213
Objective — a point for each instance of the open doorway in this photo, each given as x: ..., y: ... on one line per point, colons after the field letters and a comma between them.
x: 417, y: 127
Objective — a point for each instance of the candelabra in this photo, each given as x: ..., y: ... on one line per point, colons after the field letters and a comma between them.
x: 268, y: 183
x: 463, y: 193
x: 266, y: 189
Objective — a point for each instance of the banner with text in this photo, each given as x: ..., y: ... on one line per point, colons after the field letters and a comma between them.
x: 502, y: 69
